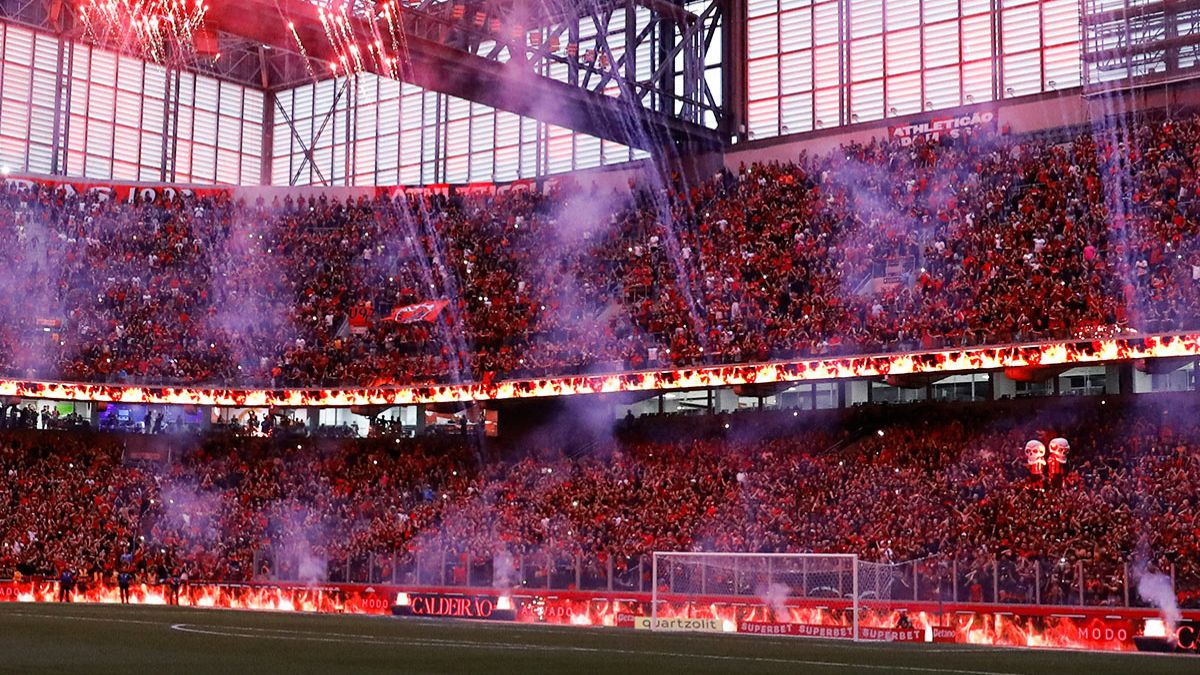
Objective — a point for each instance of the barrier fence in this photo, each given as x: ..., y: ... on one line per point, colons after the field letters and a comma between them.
x: 1001, y: 581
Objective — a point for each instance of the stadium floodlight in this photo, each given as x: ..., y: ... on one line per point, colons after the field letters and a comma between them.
x: 814, y: 594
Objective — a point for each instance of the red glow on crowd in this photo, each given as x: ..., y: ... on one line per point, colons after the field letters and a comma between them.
x: 927, y: 363
x: 1016, y: 626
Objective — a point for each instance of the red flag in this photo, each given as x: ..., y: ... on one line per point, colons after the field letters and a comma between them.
x: 422, y: 311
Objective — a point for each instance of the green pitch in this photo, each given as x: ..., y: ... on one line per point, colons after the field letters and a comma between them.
x: 128, y: 640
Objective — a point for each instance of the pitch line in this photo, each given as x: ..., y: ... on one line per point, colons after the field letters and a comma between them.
x: 347, y: 638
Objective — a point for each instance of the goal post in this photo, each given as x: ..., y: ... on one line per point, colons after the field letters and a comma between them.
x: 815, y: 594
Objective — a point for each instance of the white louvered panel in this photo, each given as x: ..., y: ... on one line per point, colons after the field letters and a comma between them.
x: 126, y: 144
x: 251, y: 171
x: 229, y: 166
x: 364, y: 156
x: 763, y: 118
x: 973, y: 7
x: 155, y: 82
x: 756, y: 8
x: 530, y: 149
x: 18, y: 45
x: 124, y: 171
x: 1019, y: 29
x: 902, y: 14
x: 128, y: 107
x: 387, y: 155
x: 410, y: 174
x: 977, y: 81
x: 457, y: 169
x: 457, y: 108
x: 229, y: 134
x: 77, y: 133
x: 560, y: 150
x: 16, y: 81
x: 129, y: 73
x: 151, y: 150
x: 977, y: 38
x: 826, y: 64
x: 40, y: 157
x: 940, y: 43
x: 1060, y: 21
x: 152, y: 115
x: 281, y: 141
x: 336, y: 171
x: 204, y: 127
x: 796, y: 113
x: 12, y: 152
x: 587, y: 151
x: 457, y: 137
x: 866, y: 18
x: 302, y: 102
x: 763, y: 79
x: 762, y: 37
x: 281, y: 170
x: 95, y: 166
x: 412, y: 114
x: 866, y: 59
x: 204, y: 163
x: 365, y: 118
x: 941, y: 87
x: 207, y: 95
x: 410, y: 147
x: 101, y: 103
x: 508, y: 128
x: 80, y: 61
x: 14, y: 118
x: 99, y: 138
x: 796, y: 72
x: 825, y: 23
x: 866, y: 101
x: 939, y: 10
x: 480, y: 167
x: 75, y: 163
x: 825, y: 108
x: 1062, y: 66
x: 904, y: 93
x: 483, y: 128
x: 1022, y: 73
x: 796, y: 30
x: 231, y: 99
x: 508, y: 162
x: 903, y: 51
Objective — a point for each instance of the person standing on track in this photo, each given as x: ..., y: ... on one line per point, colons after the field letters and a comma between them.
x: 66, y: 584
x: 123, y: 581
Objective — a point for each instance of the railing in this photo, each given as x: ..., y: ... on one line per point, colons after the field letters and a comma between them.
x: 999, y: 582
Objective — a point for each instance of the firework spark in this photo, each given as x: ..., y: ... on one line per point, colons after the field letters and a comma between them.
x: 157, y: 29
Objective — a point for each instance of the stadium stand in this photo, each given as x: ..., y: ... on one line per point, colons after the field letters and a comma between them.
x: 870, y: 248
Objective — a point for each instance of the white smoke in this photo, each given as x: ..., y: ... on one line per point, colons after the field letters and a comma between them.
x: 1158, y: 590
x: 504, y: 571
x: 775, y: 596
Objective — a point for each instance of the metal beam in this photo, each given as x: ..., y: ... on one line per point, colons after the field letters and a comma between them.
x: 510, y: 85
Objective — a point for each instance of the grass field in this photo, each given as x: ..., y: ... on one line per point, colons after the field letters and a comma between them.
x: 126, y: 640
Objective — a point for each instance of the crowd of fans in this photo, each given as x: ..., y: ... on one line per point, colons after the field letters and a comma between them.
x: 945, y: 485
x: 987, y: 238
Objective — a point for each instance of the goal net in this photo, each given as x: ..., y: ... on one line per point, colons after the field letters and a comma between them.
x: 803, y: 594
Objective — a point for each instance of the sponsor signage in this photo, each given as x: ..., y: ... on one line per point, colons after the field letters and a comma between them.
x: 454, y: 607
x: 935, y: 128
x: 122, y: 193
x: 676, y: 624
x: 795, y: 629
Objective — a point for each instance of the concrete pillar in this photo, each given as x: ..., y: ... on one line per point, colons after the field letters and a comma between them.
x: 858, y: 391
x: 1003, y: 385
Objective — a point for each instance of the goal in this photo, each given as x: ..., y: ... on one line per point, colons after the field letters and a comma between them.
x: 804, y: 594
